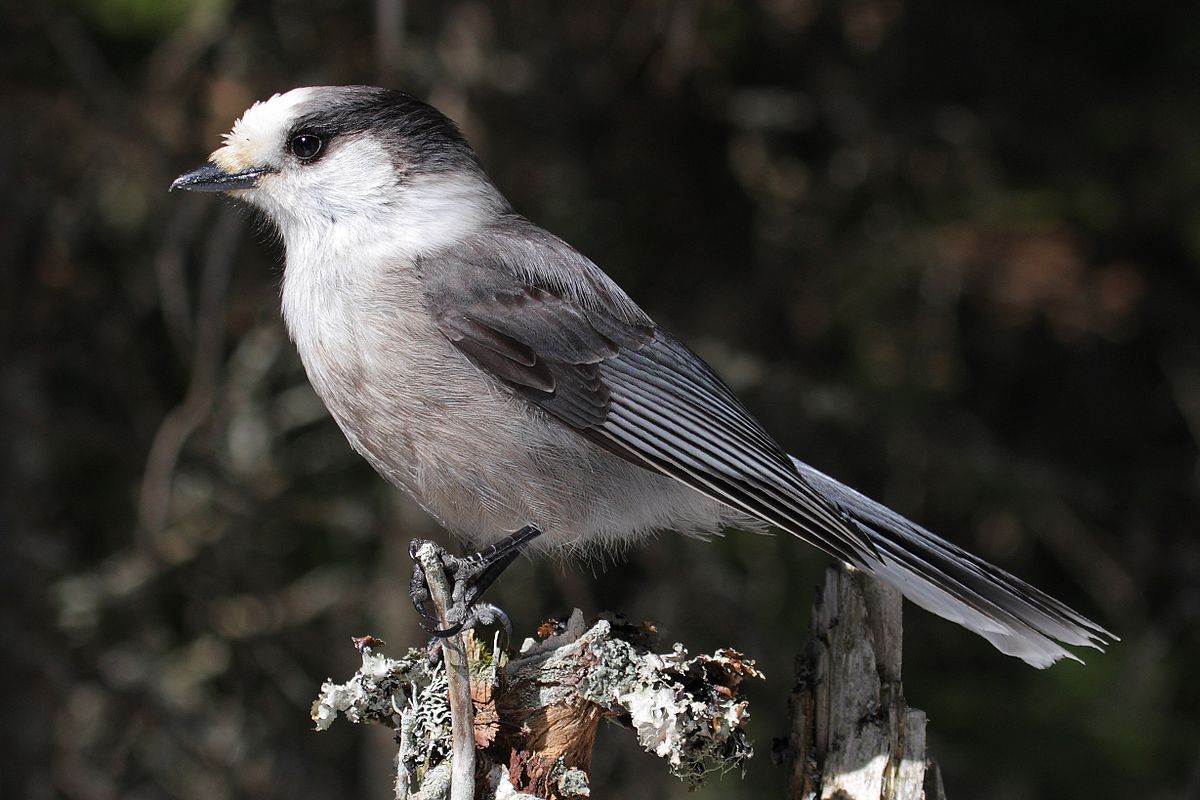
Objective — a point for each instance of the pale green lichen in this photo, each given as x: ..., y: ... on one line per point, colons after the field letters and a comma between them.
x: 690, y: 713
x: 686, y: 710
x: 406, y: 694
x: 376, y: 692
x: 574, y: 783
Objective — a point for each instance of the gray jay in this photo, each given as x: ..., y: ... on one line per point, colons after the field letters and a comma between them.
x: 518, y: 394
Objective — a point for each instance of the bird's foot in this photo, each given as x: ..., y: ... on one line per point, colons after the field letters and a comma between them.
x: 470, y: 576
x: 481, y: 614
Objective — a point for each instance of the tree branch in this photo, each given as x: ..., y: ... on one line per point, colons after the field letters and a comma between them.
x: 458, y: 679
x: 536, y: 715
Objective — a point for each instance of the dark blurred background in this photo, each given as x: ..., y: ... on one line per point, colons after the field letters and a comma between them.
x: 948, y: 252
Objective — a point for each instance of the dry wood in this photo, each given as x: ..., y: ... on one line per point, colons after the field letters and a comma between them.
x: 852, y: 736
x: 458, y: 679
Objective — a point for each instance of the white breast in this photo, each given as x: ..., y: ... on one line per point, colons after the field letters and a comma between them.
x: 354, y: 306
x: 352, y: 243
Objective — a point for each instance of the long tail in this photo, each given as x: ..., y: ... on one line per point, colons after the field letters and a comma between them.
x: 943, y: 578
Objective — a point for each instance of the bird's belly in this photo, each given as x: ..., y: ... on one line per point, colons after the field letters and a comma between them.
x: 484, y: 463
x: 477, y: 457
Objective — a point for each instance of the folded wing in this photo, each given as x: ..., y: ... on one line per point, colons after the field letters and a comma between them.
x: 633, y: 389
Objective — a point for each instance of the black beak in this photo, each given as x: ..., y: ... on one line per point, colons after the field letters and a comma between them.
x: 211, y: 178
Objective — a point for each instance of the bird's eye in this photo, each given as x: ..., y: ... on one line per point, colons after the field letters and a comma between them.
x: 306, y: 146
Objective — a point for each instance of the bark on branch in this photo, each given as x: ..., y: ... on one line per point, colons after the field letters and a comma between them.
x: 536, y: 713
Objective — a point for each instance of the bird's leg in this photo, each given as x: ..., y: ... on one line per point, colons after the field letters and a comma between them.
x: 471, y: 576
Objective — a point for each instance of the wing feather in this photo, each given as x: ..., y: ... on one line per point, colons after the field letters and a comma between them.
x: 555, y: 330
x: 641, y: 394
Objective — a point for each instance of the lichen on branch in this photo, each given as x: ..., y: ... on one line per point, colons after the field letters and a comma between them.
x: 537, y: 712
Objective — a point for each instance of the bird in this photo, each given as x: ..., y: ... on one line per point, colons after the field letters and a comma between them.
x: 519, y: 395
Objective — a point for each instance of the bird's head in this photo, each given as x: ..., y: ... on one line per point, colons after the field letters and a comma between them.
x: 328, y: 160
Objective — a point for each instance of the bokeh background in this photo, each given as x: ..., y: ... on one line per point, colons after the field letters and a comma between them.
x: 949, y: 252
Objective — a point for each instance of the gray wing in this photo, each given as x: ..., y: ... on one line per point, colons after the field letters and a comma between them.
x: 614, y: 377
x: 548, y: 324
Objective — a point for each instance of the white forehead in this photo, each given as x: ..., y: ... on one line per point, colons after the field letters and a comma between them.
x: 256, y: 137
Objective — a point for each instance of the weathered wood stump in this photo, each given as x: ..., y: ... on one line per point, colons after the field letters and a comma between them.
x: 853, y: 737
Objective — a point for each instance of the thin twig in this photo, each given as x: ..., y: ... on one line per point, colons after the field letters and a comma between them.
x: 458, y: 679
x: 196, y: 408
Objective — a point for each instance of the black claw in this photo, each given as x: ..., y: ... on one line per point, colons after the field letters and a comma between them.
x: 433, y: 652
x: 471, y: 577
x: 491, y: 614
x: 444, y: 633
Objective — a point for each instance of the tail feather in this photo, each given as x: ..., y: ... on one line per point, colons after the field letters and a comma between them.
x: 1018, y: 619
